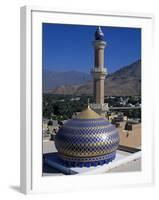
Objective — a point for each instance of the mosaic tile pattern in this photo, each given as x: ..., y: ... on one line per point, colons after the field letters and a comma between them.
x: 87, y: 142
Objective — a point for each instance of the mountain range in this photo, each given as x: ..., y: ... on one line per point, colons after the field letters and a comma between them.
x: 124, y: 82
x: 53, y: 79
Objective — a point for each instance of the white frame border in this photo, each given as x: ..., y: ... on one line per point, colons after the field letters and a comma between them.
x: 27, y: 172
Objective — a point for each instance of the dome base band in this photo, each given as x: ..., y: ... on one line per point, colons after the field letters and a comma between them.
x: 101, y: 160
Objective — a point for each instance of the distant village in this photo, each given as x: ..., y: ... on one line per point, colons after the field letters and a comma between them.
x: 124, y: 112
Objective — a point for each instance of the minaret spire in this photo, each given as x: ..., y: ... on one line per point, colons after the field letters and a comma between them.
x: 99, y: 35
x: 99, y: 71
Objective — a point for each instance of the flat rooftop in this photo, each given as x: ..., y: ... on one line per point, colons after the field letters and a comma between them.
x: 133, y: 139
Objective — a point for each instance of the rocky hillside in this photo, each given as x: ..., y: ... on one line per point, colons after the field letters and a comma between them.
x: 124, y: 82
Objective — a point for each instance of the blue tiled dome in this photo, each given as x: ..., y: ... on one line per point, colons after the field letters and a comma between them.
x: 87, y: 140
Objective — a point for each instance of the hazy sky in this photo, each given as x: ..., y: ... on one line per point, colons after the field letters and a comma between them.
x: 69, y: 47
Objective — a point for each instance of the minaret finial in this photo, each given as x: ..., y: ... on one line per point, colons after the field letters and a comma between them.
x: 99, y: 35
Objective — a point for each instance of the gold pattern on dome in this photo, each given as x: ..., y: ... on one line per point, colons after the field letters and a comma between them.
x: 97, y: 135
x: 87, y: 128
x: 88, y: 113
x: 92, y: 121
x: 84, y: 154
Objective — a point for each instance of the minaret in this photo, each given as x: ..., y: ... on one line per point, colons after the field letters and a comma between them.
x: 99, y: 71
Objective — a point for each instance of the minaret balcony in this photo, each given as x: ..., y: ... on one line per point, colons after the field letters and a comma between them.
x: 100, y: 71
x: 99, y: 44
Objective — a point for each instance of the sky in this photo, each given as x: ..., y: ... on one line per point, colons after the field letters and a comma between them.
x: 69, y: 47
